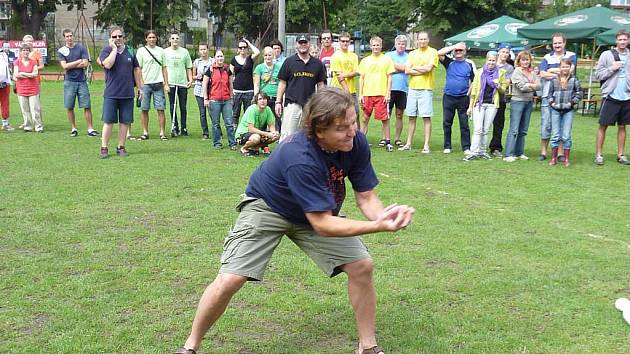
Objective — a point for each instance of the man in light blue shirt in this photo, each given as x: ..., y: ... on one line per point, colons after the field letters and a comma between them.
x: 399, y: 84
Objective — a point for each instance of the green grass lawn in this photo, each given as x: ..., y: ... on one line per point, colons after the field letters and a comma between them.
x: 111, y: 256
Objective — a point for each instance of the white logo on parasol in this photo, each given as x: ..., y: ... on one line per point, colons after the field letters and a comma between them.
x: 483, y: 31
x: 571, y: 20
x: 621, y: 20
x: 512, y: 27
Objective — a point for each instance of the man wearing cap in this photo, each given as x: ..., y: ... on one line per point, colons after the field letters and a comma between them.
x: 299, y: 75
x: 459, y: 75
x: 503, y: 62
x: 550, y: 68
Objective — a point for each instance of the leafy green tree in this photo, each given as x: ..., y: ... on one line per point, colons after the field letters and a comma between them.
x: 452, y: 17
x: 28, y: 15
x: 137, y: 16
x: 557, y: 8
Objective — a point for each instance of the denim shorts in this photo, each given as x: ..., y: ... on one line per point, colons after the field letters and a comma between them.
x: 419, y: 103
x: 73, y: 90
x: 258, y: 230
x: 159, y: 100
x: 117, y: 110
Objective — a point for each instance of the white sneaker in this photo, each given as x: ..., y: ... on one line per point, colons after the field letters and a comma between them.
x: 467, y: 152
x: 523, y: 157
x: 404, y: 148
x: 509, y: 159
x: 447, y: 151
x: 426, y: 151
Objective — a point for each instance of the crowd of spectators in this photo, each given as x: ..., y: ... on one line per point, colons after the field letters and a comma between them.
x: 270, y: 95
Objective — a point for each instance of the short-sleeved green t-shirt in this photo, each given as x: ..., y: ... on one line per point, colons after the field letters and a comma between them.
x: 268, y: 78
x: 151, y: 70
x: 254, y: 116
x: 177, y: 62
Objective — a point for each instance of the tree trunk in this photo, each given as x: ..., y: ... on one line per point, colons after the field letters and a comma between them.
x: 28, y: 24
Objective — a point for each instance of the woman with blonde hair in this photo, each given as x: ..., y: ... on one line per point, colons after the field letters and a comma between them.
x: 25, y: 75
x: 524, y: 83
x: 488, y: 85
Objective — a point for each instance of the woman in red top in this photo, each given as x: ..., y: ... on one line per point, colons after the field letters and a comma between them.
x: 219, y: 99
x: 27, y: 86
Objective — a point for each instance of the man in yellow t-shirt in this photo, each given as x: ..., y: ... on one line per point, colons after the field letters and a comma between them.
x: 375, y: 84
x: 420, y: 66
x: 344, y: 66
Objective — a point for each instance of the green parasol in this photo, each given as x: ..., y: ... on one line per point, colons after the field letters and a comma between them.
x: 490, y: 34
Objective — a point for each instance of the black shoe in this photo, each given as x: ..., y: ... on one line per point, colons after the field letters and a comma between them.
x: 184, y: 132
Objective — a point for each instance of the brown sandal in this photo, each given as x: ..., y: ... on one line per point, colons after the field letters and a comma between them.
x: 374, y: 350
x: 183, y: 350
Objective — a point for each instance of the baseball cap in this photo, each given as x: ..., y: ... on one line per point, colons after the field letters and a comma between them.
x: 505, y: 45
x: 302, y: 38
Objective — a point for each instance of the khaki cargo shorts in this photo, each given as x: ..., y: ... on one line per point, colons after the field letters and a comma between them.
x: 258, y: 231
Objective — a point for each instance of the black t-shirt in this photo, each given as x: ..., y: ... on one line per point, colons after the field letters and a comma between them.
x: 488, y: 97
x: 301, y: 78
x: 243, y: 74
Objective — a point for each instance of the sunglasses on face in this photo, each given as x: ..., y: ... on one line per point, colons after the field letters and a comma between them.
x: 118, y: 36
x: 242, y: 47
x: 344, y: 41
x: 326, y: 38
x: 458, y: 50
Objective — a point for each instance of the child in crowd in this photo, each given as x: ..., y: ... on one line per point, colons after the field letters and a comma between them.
x: 25, y: 75
x: 564, y: 94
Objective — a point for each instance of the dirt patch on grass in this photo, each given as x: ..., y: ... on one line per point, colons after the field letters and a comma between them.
x: 37, y: 323
x: 441, y: 263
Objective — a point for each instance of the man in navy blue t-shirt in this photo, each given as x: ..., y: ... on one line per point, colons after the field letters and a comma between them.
x: 459, y: 75
x: 74, y: 58
x: 298, y: 192
x: 122, y: 72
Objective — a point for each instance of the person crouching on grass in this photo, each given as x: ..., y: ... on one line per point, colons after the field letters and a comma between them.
x: 375, y: 85
x: 251, y: 131
x: 27, y: 89
x: 564, y: 93
x: 298, y: 192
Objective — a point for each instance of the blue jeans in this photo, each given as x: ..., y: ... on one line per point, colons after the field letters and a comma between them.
x: 242, y: 100
x: 520, y: 113
x: 545, y: 119
x: 202, y: 115
x: 561, y: 122
x: 218, y: 108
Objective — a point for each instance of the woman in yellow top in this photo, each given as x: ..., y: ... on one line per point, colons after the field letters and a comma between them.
x: 489, y: 82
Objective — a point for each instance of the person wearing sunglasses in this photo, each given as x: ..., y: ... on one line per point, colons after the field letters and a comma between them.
x: 180, y: 79
x: 344, y: 66
x: 459, y: 75
x: 326, y: 52
x: 242, y: 68
x: 121, y: 72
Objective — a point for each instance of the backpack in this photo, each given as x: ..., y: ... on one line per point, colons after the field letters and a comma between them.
x: 615, y: 54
